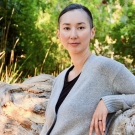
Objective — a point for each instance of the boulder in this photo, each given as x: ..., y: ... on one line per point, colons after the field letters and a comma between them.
x: 24, y: 105
x: 123, y: 123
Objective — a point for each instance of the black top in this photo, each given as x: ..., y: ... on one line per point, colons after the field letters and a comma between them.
x: 66, y: 89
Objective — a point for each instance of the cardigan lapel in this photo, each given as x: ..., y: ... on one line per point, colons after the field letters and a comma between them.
x: 78, y: 82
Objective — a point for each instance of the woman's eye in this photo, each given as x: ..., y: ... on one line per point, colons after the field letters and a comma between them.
x: 81, y: 28
x: 66, y: 28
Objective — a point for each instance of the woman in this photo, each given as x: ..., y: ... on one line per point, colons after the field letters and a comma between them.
x: 94, y: 86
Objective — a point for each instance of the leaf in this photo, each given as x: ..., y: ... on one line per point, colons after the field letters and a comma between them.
x: 124, y: 19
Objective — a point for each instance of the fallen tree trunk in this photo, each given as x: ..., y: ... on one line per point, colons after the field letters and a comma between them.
x: 24, y: 107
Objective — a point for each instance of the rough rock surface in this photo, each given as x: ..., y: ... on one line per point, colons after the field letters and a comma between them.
x: 24, y: 105
x: 124, y: 123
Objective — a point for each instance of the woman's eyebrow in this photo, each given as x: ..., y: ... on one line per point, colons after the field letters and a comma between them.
x: 77, y: 23
x: 81, y: 23
x: 66, y: 23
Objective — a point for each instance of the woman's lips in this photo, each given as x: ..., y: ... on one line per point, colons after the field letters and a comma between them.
x: 74, y: 44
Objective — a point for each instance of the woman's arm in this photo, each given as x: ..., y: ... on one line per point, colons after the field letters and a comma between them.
x: 119, y: 102
x: 124, y: 89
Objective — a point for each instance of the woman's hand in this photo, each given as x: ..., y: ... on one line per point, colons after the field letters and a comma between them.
x: 99, y: 119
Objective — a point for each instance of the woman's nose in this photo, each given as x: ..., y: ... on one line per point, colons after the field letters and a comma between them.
x: 73, y: 34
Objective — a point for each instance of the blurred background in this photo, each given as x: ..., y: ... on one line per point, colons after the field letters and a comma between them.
x: 29, y: 45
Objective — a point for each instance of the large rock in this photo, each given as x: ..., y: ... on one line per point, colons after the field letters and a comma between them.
x: 123, y: 123
x: 24, y: 105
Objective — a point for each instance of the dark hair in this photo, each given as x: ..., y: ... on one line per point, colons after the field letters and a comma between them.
x: 77, y: 6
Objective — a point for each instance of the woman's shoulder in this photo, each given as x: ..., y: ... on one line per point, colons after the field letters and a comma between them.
x: 104, y: 63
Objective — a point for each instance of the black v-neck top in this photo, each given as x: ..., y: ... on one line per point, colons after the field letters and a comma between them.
x: 66, y: 89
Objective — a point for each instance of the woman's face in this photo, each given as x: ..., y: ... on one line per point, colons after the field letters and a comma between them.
x: 74, y: 31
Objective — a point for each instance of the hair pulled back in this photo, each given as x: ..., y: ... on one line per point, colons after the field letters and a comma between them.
x: 77, y: 6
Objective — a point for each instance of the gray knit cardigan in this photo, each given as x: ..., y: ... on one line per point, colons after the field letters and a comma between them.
x: 101, y: 77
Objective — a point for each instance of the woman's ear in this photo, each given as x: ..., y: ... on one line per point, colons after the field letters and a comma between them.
x: 93, y: 30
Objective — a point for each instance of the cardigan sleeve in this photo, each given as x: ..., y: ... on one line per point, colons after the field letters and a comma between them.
x: 124, y: 90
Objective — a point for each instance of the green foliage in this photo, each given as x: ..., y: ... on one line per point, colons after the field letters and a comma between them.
x: 28, y: 33
x: 124, y: 34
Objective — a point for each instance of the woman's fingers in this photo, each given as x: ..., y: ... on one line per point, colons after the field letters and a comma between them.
x: 97, y: 129
x: 97, y: 126
x: 98, y: 122
x: 104, y: 122
x: 91, y: 127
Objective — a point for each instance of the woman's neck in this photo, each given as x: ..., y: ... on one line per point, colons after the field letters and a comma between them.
x: 79, y: 61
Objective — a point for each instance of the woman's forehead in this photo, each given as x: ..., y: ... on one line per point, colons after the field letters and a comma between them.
x: 76, y: 15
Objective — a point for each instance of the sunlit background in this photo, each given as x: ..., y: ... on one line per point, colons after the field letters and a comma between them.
x: 29, y: 44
